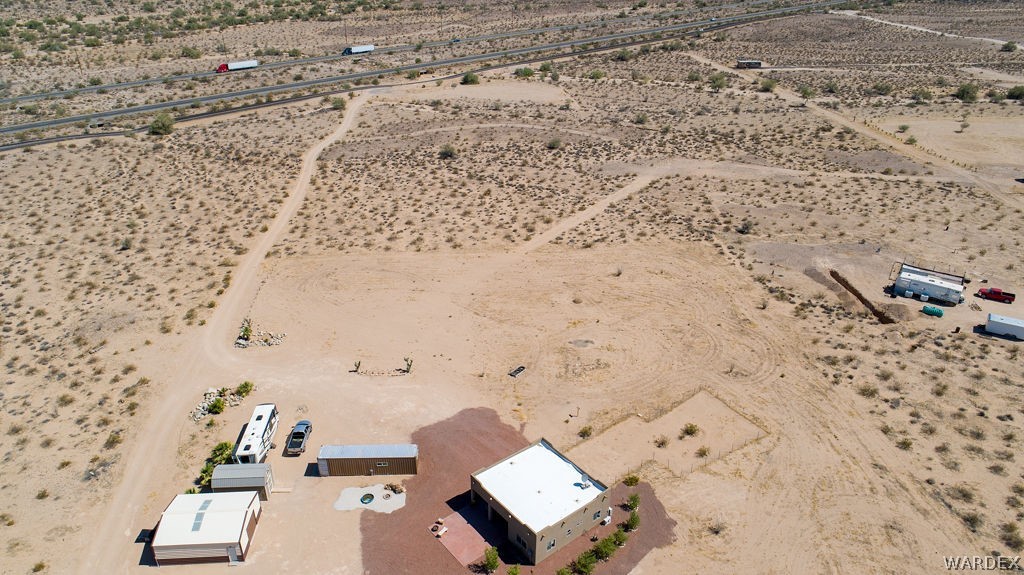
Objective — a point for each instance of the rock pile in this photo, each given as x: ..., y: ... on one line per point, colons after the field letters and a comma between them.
x: 203, y: 409
x: 261, y: 338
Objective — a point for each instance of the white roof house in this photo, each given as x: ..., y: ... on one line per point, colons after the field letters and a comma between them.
x: 539, y: 485
x: 206, y: 527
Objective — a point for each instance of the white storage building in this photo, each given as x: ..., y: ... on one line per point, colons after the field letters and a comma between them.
x: 207, y: 528
x: 258, y: 477
x: 1003, y: 325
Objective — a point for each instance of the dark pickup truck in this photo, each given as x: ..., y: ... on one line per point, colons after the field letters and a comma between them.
x: 996, y: 294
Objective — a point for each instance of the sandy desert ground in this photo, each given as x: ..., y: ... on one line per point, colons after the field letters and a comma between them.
x: 659, y: 239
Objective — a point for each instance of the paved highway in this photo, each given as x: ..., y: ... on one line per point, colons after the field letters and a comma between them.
x: 708, y: 25
x: 384, y: 50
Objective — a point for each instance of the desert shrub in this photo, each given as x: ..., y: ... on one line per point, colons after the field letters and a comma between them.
x: 585, y: 563
x: 190, y: 52
x: 490, y: 563
x: 689, y: 430
x: 633, y: 501
x: 113, y: 440
x: 338, y: 103
x: 162, y: 125
x: 554, y: 144
x: 596, y: 74
x: 523, y: 72
x: 961, y: 493
x: 622, y: 55
x: 921, y: 95
x: 216, y: 406
x: 1015, y: 93
x: 205, y: 474
x: 768, y: 85
x: 1010, y: 536
x: 972, y: 519
x: 905, y: 444
x: 718, y: 80
x: 703, y: 451
x: 868, y: 391
x: 1009, y: 47
x: 244, y: 389
x: 620, y: 537
x: 633, y: 522
x: 967, y: 93
x: 585, y: 431
x: 564, y: 571
x: 448, y: 152
x: 605, y: 548
x: 661, y: 441
x: 631, y: 480
x: 470, y: 78
x: 221, y: 452
x: 513, y: 570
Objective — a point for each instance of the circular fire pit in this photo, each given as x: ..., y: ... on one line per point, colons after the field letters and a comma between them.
x: 366, y: 499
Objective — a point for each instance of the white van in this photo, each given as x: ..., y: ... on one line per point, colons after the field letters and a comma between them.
x: 258, y: 436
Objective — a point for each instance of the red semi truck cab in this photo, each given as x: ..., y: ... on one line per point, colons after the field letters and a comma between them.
x: 996, y: 294
x: 222, y: 68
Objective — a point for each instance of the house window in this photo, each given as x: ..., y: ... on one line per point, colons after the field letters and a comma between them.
x: 382, y: 464
x: 597, y: 515
x: 568, y: 532
x: 551, y: 544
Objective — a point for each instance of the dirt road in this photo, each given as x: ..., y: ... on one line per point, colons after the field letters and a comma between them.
x: 212, y: 350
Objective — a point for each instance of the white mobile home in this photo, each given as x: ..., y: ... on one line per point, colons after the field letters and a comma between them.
x: 256, y: 477
x: 258, y: 436
x: 207, y: 528
x: 928, y: 285
x: 1002, y: 325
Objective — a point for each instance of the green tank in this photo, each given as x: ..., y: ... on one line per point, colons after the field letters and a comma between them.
x: 932, y: 310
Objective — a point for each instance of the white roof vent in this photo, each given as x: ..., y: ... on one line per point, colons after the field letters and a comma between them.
x: 585, y: 482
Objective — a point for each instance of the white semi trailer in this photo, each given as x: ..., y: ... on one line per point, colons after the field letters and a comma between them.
x: 1002, y: 325
x: 352, y: 50
x: 235, y: 66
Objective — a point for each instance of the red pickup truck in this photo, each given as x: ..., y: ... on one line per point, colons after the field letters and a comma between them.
x: 996, y: 294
